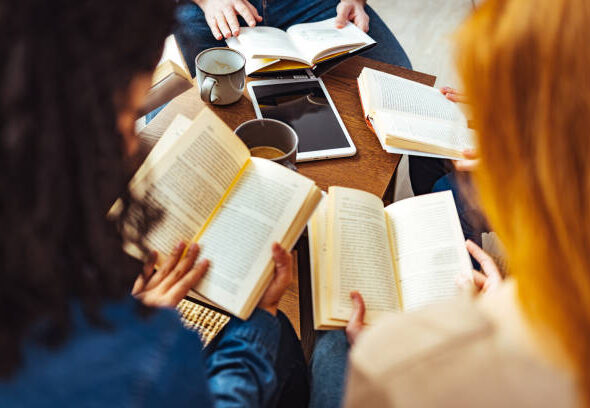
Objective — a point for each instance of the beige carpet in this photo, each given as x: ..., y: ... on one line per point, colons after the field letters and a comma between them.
x: 425, y: 29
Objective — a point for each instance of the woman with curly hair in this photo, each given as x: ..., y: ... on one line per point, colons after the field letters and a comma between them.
x: 73, y: 76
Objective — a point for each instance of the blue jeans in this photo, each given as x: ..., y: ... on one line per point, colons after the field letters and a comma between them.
x: 193, y: 33
x: 291, y: 369
x: 328, y: 369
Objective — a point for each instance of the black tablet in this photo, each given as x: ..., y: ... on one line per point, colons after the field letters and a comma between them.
x: 306, y: 106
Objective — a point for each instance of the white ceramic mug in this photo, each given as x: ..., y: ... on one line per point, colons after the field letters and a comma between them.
x: 221, y: 75
x: 271, y: 133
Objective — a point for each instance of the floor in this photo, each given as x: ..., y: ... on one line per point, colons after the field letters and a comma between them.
x: 425, y: 29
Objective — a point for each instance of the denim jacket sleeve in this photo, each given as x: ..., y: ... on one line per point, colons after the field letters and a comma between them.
x: 240, y: 369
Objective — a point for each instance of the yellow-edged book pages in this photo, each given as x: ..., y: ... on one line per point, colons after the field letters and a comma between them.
x: 412, y: 118
x: 209, y: 190
x: 304, y: 44
x: 399, y: 258
x: 286, y: 65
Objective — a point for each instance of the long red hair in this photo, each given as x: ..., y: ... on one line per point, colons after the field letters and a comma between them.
x: 526, y: 69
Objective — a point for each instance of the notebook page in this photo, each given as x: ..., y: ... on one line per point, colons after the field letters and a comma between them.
x: 390, y: 92
x: 360, y: 253
x: 429, y: 248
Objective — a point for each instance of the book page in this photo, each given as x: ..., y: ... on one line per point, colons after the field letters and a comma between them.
x: 267, y: 42
x: 252, y: 64
x: 360, y: 255
x: 177, y: 127
x: 189, y: 180
x: 429, y: 132
x: 321, y: 276
x: 390, y: 92
x: 322, y: 38
x: 258, y: 211
x: 429, y: 248
x: 318, y: 252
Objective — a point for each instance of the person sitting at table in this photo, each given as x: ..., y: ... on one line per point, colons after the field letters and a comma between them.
x: 431, y: 175
x: 524, y: 65
x: 73, y: 78
x: 203, y: 24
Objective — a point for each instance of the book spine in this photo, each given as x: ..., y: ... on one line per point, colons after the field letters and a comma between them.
x: 367, y: 121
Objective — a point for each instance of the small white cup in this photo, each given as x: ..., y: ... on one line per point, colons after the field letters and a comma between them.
x: 221, y: 75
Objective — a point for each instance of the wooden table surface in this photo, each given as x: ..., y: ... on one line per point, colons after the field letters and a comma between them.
x: 371, y: 169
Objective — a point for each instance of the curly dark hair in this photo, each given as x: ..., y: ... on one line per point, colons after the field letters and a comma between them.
x: 62, y: 161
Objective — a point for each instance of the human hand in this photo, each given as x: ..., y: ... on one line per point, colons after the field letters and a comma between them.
x: 453, y: 95
x: 352, y: 10
x: 356, y: 322
x: 283, y: 275
x: 489, y: 279
x: 171, y: 282
x: 470, y: 162
x: 222, y: 16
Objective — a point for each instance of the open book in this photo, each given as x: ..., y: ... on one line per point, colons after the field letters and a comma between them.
x: 399, y: 258
x: 412, y: 118
x: 170, y: 78
x: 235, y: 206
x: 300, y: 47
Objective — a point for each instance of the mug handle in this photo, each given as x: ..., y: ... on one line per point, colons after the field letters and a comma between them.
x: 206, y: 88
x: 291, y: 166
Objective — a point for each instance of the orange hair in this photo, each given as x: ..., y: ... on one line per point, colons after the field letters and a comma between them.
x: 526, y: 69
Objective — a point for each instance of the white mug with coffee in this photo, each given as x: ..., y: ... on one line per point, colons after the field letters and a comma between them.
x: 221, y: 75
x: 270, y: 139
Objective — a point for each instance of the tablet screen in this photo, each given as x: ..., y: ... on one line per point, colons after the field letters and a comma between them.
x: 305, y: 107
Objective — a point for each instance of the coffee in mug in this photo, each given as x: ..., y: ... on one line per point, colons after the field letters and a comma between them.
x: 266, y: 152
x: 221, y: 75
x: 270, y: 139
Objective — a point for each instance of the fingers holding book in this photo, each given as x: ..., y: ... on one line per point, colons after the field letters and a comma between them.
x: 490, y: 278
x: 356, y: 323
x: 469, y: 163
x: 283, y: 275
x: 453, y: 95
x: 352, y: 10
x: 170, y: 283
